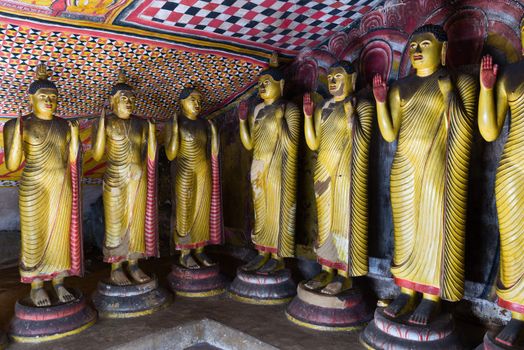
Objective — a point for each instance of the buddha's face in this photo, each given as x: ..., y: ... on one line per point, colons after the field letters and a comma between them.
x: 339, y: 82
x: 44, y: 102
x: 425, y: 51
x: 123, y: 103
x: 269, y: 88
x: 192, y: 105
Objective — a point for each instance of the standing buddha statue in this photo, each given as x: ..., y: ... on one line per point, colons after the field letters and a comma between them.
x: 340, y: 131
x: 271, y: 131
x: 431, y: 115
x: 193, y: 144
x: 49, y: 195
x: 50, y: 217
x: 497, y: 96
x: 129, y: 143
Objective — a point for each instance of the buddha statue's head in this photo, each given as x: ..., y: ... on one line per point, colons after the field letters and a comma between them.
x: 271, y: 81
x: 123, y: 98
x: 43, y: 94
x: 191, y: 103
x: 341, y: 80
x: 427, y: 49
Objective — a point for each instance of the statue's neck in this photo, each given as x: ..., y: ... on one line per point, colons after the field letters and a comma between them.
x: 44, y: 116
x: 426, y: 72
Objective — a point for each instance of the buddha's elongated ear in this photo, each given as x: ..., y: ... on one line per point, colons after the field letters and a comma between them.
x: 281, y: 82
x: 353, y: 80
x: 443, y: 53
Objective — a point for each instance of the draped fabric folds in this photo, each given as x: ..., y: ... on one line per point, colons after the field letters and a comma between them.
x: 275, y: 129
x: 49, y: 199
x: 197, y: 212
x: 340, y: 177
x: 509, y: 192
x: 429, y: 180
x: 129, y: 192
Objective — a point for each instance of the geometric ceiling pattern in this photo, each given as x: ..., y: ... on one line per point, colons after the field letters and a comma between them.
x: 219, y: 46
x: 286, y: 25
x: 84, y: 67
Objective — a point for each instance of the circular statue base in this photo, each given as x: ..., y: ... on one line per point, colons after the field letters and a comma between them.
x: 265, y: 289
x: 196, y: 283
x: 342, y: 312
x: 135, y: 300
x: 385, y: 332
x: 491, y: 343
x: 32, y: 324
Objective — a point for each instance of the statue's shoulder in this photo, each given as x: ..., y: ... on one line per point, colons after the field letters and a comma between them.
x: 290, y: 106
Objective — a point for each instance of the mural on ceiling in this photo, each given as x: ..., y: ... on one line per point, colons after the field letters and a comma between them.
x: 263, y: 25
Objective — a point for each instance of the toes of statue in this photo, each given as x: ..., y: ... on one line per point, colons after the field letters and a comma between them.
x: 511, y: 332
x: 119, y: 278
x: 423, y: 312
x: 137, y: 274
x: 395, y: 308
x: 255, y: 264
x: 188, y: 262
x: 271, y: 265
x: 40, y: 298
x: 203, y: 259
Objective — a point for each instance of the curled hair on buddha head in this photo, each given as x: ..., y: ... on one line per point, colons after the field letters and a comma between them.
x: 273, y: 70
x: 41, y: 81
x: 186, y: 92
x: 345, y: 65
x: 121, y: 84
x: 438, y: 31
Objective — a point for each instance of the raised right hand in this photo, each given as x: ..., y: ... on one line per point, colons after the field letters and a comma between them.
x: 488, y: 72
x: 380, y: 89
x: 242, y: 110
x: 308, y: 105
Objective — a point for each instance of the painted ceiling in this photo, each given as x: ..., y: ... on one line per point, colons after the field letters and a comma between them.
x: 218, y: 46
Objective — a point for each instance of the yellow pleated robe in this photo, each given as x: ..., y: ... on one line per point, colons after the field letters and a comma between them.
x: 340, y: 176
x: 509, y: 192
x: 273, y: 176
x: 429, y: 181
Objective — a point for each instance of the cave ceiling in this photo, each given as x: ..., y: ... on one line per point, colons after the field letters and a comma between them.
x: 218, y: 46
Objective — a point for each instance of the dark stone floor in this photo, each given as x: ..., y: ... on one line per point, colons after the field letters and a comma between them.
x: 266, y: 323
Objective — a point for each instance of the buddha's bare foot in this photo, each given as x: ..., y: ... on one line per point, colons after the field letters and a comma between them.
x: 119, y: 278
x: 203, y: 259
x: 272, y: 265
x: 39, y: 297
x: 423, y: 313
x: 320, y: 281
x: 187, y: 261
x: 137, y: 274
x: 339, y: 285
x: 399, y: 305
x: 256, y: 263
x: 510, y: 333
x: 63, y: 294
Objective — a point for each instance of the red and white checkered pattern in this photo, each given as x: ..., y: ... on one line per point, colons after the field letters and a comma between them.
x: 278, y: 24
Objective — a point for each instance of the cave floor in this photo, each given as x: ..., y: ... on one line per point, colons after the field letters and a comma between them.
x: 265, y: 323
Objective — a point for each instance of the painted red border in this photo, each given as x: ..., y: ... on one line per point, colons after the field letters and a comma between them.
x: 419, y: 287
x: 511, y: 306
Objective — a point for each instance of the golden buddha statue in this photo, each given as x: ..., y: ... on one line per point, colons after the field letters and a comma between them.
x: 129, y: 144
x: 195, y: 207
x: 271, y: 131
x: 431, y: 114
x: 49, y: 195
x: 340, y: 132
x: 496, y: 97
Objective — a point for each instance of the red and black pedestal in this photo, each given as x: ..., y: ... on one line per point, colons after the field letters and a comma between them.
x: 196, y: 283
x: 135, y: 300
x: 388, y: 333
x: 345, y: 311
x: 263, y: 288
x: 32, y: 324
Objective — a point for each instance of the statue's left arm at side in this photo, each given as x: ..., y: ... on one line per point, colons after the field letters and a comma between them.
x: 13, y: 147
